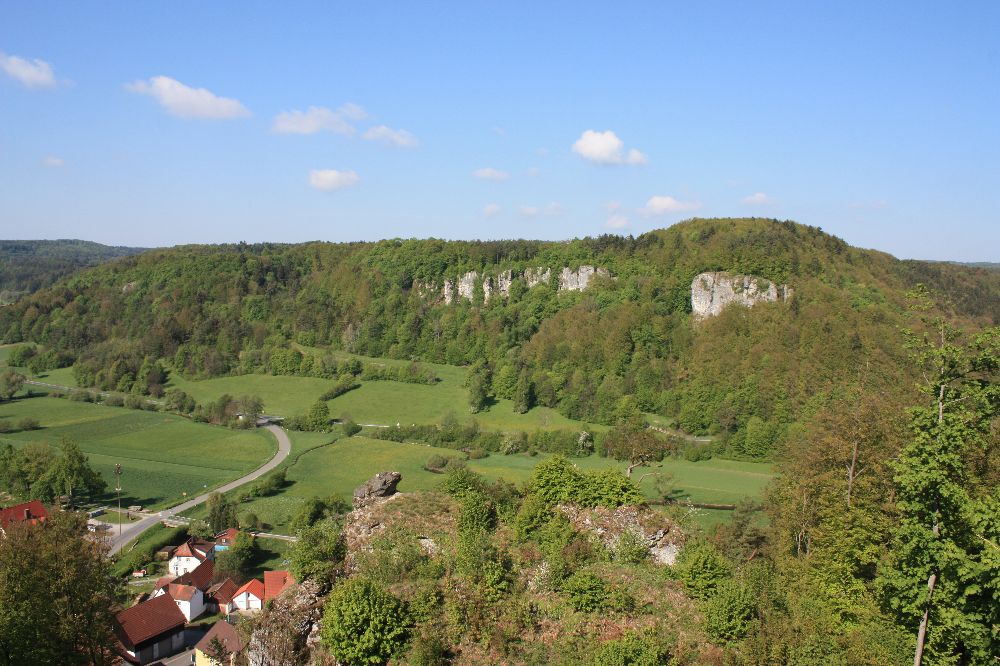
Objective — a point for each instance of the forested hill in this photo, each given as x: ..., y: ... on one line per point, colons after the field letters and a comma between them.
x: 626, y: 344
x: 29, y: 265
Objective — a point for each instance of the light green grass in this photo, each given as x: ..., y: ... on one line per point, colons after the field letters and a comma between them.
x: 282, y: 396
x: 337, y: 469
x: 162, y: 456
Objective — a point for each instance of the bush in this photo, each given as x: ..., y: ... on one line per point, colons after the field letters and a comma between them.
x: 133, y: 401
x: 363, y: 623
x: 702, y: 569
x: 632, y: 650
x: 28, y: 424
x: 729, y: 613
x: 477, y: 454
x: 350, y: 428
x: 630, y: 548
x: 435, y: 463
x: 114, y: 400
x: 6, y: 426
x: 587, y: 593
x: 317, y: 552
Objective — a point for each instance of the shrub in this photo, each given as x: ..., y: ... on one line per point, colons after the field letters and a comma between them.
x: 81, y: 396
x: 632, y: 650
x: 363, y: 623
x: 729, y: 613
x: 317, y: 552
x: 134, y: 401
x: 587, y: 593
x: 702, y: 569
x: 630, y: 548
x: 6, y: 426
x: 532, y: 516
x: 350, y: 428
x: 28, y: 423
x: 435, y: 463
x: 477, y: 454
x: 114, y: 400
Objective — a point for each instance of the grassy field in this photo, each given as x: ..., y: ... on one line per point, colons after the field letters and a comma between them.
x: 339, y: 468
x: 162, y: 456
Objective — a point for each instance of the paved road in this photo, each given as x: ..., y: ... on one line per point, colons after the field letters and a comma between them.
x: 132, y: 530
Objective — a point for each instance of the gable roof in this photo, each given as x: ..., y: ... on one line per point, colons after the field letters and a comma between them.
x: 181, y: 592
x: 196, y: 548
x: 276, y: 582
x: 223, y: 593
x: 227, y: 538
x: 32, y: 512
x: 200, y: 576
x: 226, y: 634
x: 163, y: 581
x: 148, y: 620
x: 254, y: 587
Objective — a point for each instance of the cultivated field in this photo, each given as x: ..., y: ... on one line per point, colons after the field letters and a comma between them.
x: 162, y: 455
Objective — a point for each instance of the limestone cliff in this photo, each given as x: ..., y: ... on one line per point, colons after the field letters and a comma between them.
x: 500, y: 284
x: 711, y: 292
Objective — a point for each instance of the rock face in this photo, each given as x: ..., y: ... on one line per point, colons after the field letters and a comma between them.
x: 466, y: 285
x: 287, y: 630
x: 534, y: 276
x: 503, y: 282
x: 380, y: 486
x: 663, y: 537
x: 711, y: 292
x: 579, y: 279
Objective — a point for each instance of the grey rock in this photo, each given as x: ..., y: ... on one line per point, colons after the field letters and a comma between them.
x: 713, y: 291
x: 378, y: 487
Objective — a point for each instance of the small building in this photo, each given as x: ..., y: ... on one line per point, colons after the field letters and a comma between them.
x: 250, y: 597
x: 276, y: 582
x: 219, y: 598
x: 225, y: 540
x: 150, y: 630
x: 189, y: 555
x: 222, y: 634
x: 188, y: 590
x: 28, y: 513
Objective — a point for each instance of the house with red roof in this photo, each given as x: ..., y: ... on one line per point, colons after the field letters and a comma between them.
x: 225, y: 540
x: 219, y: 598
x: 250, y: 597
x: 150, y: 630
x: 189, y: 555
x: 29, y: 513
x: 255, y: 593
x: 206, y: 651
x: 188, y: 590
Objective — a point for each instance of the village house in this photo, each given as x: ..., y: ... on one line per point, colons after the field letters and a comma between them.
x: 150, y: 630
x: 225, y: 540
x: 221, y: 634
x: 189, y: 555
x: 219, y: 598
x: 255, y: 593
x: 189, y: 590
x: 31, y: 513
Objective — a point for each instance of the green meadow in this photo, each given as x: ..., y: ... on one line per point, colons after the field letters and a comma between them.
x: 337, y: 468
x: 163, y: 456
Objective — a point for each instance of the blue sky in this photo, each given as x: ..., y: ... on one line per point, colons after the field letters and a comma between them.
x: 167, y: 123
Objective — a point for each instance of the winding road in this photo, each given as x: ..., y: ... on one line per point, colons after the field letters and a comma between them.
x: 133, y: 530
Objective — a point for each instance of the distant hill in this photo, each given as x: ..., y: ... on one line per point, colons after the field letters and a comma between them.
x: 515, y: 311
x: 29, y: 265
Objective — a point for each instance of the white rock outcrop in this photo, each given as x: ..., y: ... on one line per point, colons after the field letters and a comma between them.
x: 579, y: 279
x: 713, y: 291
x: 466, y: 285
x: 535, y: 276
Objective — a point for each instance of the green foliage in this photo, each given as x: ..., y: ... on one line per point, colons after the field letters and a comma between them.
x: 235, y: 561
x: 729, y: 612
x: 317, y: 553
x: 363, y: 624
x: 557, y: 480
x: 37, y: 472
x: 10, y: 383
x: 350, y: 428
x: 632, y: 650
x: 221, y: 513
x: 630, y: 548
x: 702, y: 569
x: 586, y: 592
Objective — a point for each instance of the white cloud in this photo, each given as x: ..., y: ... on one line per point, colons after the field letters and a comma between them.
x: 318, y: 119
x: 30, y: 73
x: 528, y: 211
x: 757, y: 199
x: 53, y: 161
x: 617, y: 222
x: 491, y: 210
x: 664, y: 205
x: 554, y: 209
x: 331, y: 180
x: 398, y: 138
x: 186, y: 102
x: 489, y: 173
x: 606, y: 148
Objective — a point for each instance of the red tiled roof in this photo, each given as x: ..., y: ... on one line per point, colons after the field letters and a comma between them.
x: 254, y: 587
x: 227, y: 538
x: 149, y: 619
x: 32, y: 512
x: 200, y: 576
x: 163, y: 581
x: 223, y: 592
x: 181, y: 592
x: 188, y: 549
x: 226, y: 635
x: 275, y: 582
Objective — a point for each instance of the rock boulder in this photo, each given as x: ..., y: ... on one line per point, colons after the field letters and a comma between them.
x: 380, y: 486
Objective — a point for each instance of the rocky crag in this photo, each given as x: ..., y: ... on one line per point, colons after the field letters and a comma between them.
x: 712, y: 292
x: 499, y: 285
